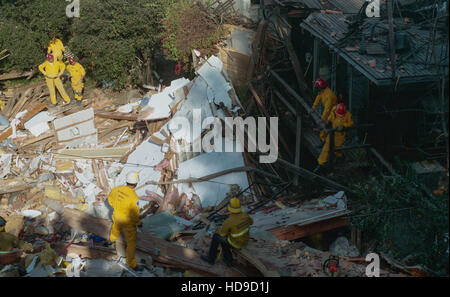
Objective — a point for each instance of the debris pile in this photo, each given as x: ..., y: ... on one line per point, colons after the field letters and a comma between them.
x: 59, y: 164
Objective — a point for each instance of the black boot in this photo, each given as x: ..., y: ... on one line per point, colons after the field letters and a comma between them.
x: 228, y: 263
x: 139, y: 268
x: 207, y: 259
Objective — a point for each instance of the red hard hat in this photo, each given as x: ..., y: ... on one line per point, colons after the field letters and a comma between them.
x: 320, y: 83
x: 71, y: 60
x: 341, y: 109
x: 49, y: 56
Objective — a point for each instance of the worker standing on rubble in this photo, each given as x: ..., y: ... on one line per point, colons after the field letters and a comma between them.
x: 328, y: 99
x: 77, y: 74
x: 52, y: 70
x: 234, y: 233
x: 338, y: 119
x: 56, y: 48
x: 123, y: 200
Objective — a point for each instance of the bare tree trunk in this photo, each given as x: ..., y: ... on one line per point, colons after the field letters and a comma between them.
x: 148, y: 71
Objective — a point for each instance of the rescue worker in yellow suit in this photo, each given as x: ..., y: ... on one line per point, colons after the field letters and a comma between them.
x: 77, y: 74
x: 328, y: 99
x: 123, y: 200
x: 56, y: 48
x: 339, y: 119
x: 234, y: 233
x: 52, y: 70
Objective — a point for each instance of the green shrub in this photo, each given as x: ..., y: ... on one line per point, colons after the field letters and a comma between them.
x: 405, y: 221
x: 25, y: 28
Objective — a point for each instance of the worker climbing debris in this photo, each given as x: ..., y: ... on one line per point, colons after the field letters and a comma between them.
x: 52, y: 70
x: 56, y: 48
x: 328, y: 99
x: 234, y: 233
x: 339, y: 119
x: 123, y: 200
x: 77, y: 74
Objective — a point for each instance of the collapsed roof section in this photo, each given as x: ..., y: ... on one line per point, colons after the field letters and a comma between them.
x: 421, y: 55
x: 346, y: 6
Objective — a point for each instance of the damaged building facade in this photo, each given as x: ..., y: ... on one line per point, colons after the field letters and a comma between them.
x: 399, y: 108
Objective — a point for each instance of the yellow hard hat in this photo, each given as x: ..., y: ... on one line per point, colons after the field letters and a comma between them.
x: 235, y: 206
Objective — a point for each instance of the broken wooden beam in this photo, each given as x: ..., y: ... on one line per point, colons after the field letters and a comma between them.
x: 293, y: 232
x: 92, y: 153
x: 382, y: 161
x: 13, y: 185
x: 95, y: 252
x: 314, y: 177
x: 169, y: 253
x: 304, y: 104
x: 15, y: 75
x: 117, y: 115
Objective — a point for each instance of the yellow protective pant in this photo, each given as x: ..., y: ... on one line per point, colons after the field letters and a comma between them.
x: 326, y: 112
x: 51, y: 83
x: 323, y: 135
x: 130, y: 234
x: 59, y: 56
x: 78, y: 90
x: 339, y: 139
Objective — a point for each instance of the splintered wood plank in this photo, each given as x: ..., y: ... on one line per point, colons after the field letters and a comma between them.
x: 293, y: 232
x: 30, y: 141
x: 92, y: 153
x: 169, y: 253
x: 12, y: 186
x: 117, y: 115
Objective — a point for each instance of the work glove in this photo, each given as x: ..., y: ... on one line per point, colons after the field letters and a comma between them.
x: 340, y: 128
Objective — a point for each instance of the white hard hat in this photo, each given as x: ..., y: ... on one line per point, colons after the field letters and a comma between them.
x: 133, y: 178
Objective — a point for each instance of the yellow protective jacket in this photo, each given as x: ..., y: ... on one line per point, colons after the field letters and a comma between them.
x: 56, y: 47
x: 52, y: 70
x: 336, y: 121
x: 77, y: 72
x: 124, y: 200
x: 237, y: 229
x: 328, y: 99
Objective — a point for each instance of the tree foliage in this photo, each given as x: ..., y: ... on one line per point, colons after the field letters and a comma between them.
x: 405, y: 220
x: 188, y: 25
x: 25, y: 28
x: 114, y: 39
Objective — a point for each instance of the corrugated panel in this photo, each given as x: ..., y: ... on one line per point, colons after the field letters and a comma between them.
x: 312, y: 4
x: 348, y: 6
x: 315, y: 4
x: 332, y: 27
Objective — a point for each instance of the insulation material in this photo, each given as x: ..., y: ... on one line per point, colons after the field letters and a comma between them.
x: 76, y: 129
x: 196, y: 99
x: 159, y: 105
x: 142, y: 161
x: 218, y: 86
x: 39, y: 123
x: 5, y: 164
x: 212, y: 192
